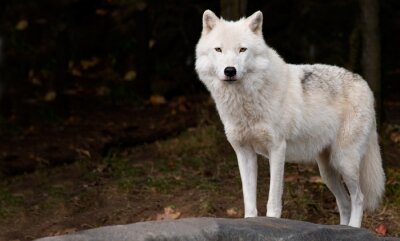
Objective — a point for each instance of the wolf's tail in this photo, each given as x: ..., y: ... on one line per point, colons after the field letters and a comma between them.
x: 372, y: 177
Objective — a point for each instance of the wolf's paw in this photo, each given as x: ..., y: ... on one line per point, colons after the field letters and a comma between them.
x: 274, y: 213
x: 250, y: 213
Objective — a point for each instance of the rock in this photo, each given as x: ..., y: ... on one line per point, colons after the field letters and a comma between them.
x: 210, y: 229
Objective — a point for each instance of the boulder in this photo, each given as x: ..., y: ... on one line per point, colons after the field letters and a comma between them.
x: 221, y: 229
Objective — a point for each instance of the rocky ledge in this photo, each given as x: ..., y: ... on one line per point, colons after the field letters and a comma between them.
x: 221, y: 229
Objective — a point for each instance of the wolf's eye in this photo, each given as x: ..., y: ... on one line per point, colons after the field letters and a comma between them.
x: 241, y: 50
x: 218, y: 50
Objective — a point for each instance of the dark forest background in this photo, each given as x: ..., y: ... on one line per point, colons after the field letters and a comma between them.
x: 65, y: 62
x: 118, y: 50
x: 104, y: 121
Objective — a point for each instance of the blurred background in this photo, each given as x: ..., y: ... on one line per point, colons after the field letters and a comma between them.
x: 102, y: 95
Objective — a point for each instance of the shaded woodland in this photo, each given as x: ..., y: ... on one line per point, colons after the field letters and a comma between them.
x: 84, y: 81
x: 54, y: 51
x: 119, y: 50
x: 69, y: 57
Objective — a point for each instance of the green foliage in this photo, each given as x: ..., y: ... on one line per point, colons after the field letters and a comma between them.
x: 200, y: 163
x: 56, y: 191
x: 10, y: 203
x: 182, y: 162
x: 393, y: 186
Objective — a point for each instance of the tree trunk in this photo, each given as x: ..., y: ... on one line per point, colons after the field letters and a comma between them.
x: 371, y: 50
x: 233, y: 9
x: 142, y: 82
x: 61, y: 105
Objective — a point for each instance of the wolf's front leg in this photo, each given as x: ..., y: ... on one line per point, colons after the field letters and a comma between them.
x: 277, y: 166
x: 247, y: 160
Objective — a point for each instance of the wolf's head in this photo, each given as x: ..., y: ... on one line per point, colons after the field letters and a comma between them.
x: 230, y: 51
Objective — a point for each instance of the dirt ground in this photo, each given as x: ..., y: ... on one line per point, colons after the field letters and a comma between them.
x: 190, y: 174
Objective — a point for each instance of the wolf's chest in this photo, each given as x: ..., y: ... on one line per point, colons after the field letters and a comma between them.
x: 258, y: 136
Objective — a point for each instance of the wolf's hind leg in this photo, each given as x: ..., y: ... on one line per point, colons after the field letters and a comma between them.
x: 348, y: 164
x: 332, y: 179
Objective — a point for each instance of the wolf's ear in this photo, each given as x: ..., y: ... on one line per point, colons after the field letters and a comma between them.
x: 255, y: 22
x: 209, y: 21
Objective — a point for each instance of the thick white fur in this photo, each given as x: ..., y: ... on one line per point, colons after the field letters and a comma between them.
x: 291, y: 112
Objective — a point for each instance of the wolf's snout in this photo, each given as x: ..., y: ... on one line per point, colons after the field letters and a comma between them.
x: 230, y: 71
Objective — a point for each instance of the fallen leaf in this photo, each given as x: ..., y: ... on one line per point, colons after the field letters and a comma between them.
x: 65, y: 231
x: 182, y: 104
x: 395, y: 136
x: 315, y: 179
x: 31, y: 73
x: 83, y: 152
x: 50, y: 96
x: 130, y: 75
x: 36, y: 81
x: 381, y: 229
x: 232, y: 212
x: 152, y: 42
x: 76, y: 72
x: 101, y: 168
x: 101, y: 12
x: 169, y: 214
x: 22, y: 25
x: 291, y: 178
x: 181, y: 100
x: 103, y: 91
x: 89, y: 63
x: 157, y: 100
x: 72, y: 120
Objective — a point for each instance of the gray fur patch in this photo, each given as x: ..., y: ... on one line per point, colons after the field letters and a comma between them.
x: 327, y: 80
x: 321, y: 78
x: 306, y: 76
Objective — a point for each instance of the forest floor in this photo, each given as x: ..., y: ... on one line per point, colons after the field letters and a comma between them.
x: 190, y: 171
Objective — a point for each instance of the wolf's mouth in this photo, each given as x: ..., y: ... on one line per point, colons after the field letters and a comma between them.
x: 230, y: 79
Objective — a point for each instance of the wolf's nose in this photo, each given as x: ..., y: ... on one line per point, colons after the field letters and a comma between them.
x: 230, y: 71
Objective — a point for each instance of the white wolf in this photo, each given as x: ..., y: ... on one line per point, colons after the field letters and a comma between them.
x: 293, y: 112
